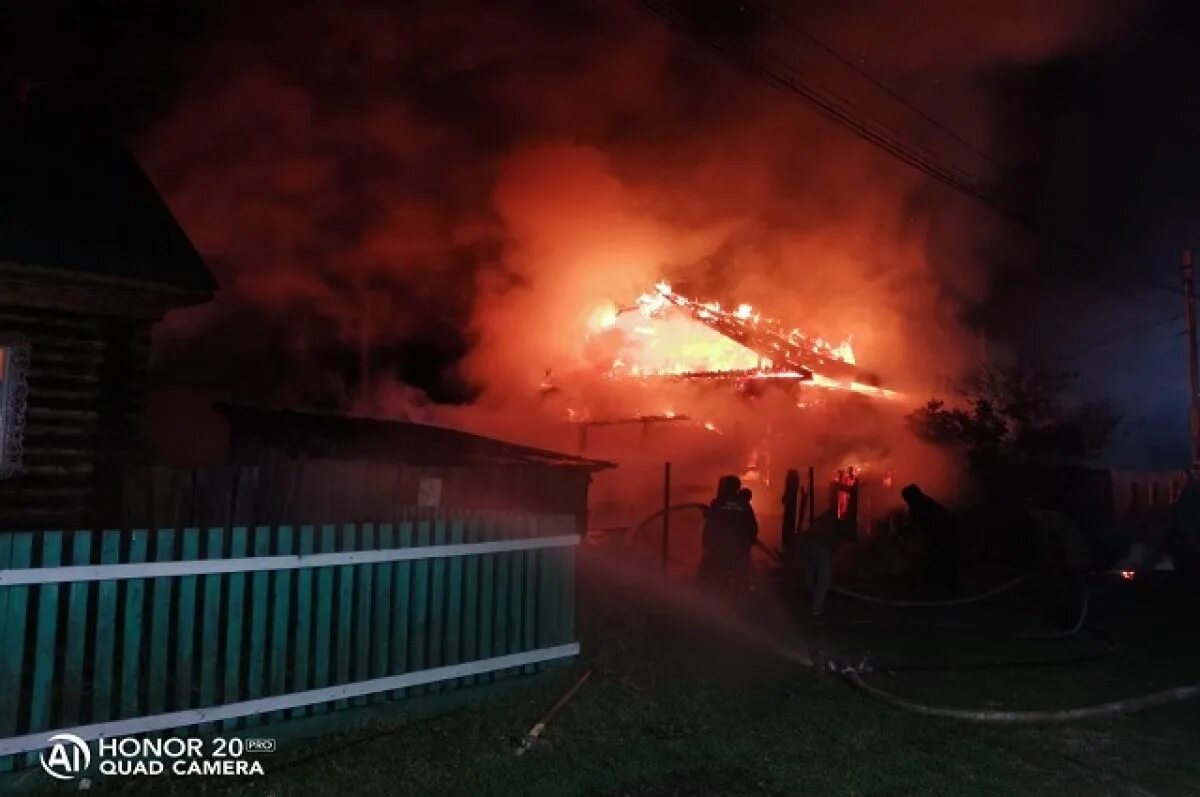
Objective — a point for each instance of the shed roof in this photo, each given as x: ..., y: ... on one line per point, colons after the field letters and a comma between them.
x: 329, y: 436
x: 76, y: 200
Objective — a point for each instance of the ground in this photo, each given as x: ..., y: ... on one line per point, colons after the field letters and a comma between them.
x: 681, y: 704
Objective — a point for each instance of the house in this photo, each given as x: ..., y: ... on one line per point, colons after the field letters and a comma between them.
x: 90, y: 259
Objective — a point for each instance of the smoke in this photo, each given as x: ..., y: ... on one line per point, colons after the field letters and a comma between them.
x: 445, y: 196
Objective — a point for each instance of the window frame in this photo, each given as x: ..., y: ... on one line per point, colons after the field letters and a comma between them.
x: 14, y: 392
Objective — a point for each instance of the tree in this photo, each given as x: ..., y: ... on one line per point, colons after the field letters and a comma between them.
x: 1014, y: 416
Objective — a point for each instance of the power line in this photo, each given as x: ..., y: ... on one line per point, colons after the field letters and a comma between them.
x: 874, y: 81
x: 779, y: 75
x: 783, y: 77
x: 1123, y: 336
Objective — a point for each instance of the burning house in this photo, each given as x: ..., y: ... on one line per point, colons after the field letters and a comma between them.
x: 718, y: 390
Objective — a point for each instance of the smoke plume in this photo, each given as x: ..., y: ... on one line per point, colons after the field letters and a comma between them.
x: 444, y: 196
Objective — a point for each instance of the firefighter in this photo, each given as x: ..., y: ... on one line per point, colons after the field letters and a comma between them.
x: 817, y: 549
x: 730, y: 529
x: 941, y: 533
x: 742, y: 543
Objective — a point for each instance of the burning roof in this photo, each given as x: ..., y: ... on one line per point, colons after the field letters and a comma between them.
x: 665, y: 334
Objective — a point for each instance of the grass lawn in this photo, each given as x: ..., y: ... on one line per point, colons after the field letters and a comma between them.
x: 677, y: 706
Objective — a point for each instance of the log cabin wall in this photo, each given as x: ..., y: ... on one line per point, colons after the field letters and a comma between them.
x: 87, y: 384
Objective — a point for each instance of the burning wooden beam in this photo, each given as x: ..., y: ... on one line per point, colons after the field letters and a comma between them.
x: 769, y: 341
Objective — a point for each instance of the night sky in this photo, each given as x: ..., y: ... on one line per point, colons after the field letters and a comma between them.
x: 1092, y: 137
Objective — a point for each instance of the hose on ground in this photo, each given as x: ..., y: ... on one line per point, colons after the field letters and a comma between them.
x: 1112, y: 709
x: 1115, y: 708
x: 1080, y: 621
x: 964, y: 601
x: 977, y: 598
x: 1084, y: 604
x: 982, y: 596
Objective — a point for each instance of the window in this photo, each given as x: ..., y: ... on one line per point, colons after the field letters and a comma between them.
x: 14, y: 361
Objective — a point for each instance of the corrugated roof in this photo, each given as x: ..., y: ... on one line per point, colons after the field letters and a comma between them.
x: 74, y: 199
x: 328, y: 436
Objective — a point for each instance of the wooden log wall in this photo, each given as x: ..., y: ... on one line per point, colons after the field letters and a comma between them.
x: 87, y: 385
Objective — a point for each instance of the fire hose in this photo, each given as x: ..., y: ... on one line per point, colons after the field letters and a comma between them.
x: 637, y: 530
x: 1081, y: 618
x: 964, y: 601
x: 853, y: 674
x: 854, y: 678
x: 982, y: 596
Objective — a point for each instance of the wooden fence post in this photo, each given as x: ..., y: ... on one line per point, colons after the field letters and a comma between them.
x: 787, y: 538
x: 666, y: 516
x: 812, y: 495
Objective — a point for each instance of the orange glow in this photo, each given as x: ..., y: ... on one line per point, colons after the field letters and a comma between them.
x: 603, y: 318
x: 664, y: 333
x: 845, y: 484
x: 667, y: 334
x: 826, y: 383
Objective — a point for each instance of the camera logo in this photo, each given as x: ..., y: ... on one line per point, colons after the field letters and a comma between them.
x: 68, y: 758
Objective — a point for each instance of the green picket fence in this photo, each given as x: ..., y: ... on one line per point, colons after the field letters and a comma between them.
x: 104, y: 651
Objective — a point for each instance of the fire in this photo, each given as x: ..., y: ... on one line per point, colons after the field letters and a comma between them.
x: 603, y: 318
x: 826, y: 383
x: 667, y: 334
x: 1128, y: 575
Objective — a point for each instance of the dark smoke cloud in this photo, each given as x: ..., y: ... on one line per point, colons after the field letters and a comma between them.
x: 501, y: 168
x: 117, y: 64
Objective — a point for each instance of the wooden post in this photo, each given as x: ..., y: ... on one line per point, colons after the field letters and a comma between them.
x: 1189, y: 295
x: 865, y: 497
x: 666, y: 515
x: 364, y: 347
x: 787, y: 536
x: 812, y: 495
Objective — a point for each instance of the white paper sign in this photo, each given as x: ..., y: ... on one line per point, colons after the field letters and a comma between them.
x: 429, y: 493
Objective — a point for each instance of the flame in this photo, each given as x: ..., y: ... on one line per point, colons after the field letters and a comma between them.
x: 603, y: 318
x: 826, y: 383
x: 1128, y: 575
x: 661, y: 337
